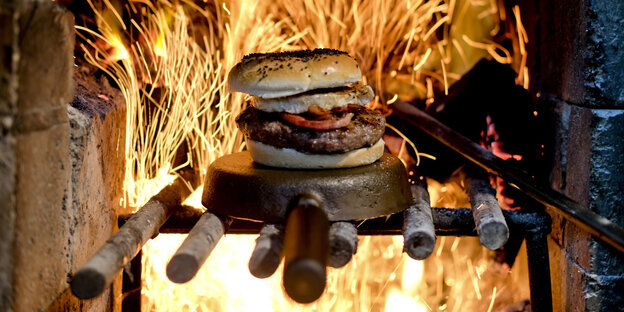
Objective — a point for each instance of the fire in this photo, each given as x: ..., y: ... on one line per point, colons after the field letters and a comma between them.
x: 170, y: 61
x: 459, y: 276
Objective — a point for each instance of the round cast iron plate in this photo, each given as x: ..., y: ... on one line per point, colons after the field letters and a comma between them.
x: 240, y: 188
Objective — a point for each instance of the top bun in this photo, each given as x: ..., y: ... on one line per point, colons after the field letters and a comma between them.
x: 273, y: 75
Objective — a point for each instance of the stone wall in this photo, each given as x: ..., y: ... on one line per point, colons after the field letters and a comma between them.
x: 60, y: 170
x: 8, y: 114
x: 578, y: 55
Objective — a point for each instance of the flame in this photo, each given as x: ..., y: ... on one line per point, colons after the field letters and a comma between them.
x: 459, y: 276
x: 170, y: 60
x: 118, y: 50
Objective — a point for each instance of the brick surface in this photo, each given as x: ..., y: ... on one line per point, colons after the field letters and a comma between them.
x: 97, y: 119
x: 97, y: 156
x: 604, y: 56
x: 563, y: 274
x: 7, y: 218
x: 8, y: 110
x: 589, y: 168
x: 595, y: 292
x: 9, y: 54
x: 41, y: 246
x: 595, y: 175
x: 46, y: 42
x: 68, y: 173
x: 580, y: 51
x: 560, y: 49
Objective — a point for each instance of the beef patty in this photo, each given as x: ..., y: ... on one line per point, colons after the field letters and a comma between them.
x: 364, y: 130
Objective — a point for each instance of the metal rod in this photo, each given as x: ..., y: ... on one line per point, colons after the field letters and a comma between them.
x: 418, y: 230
x: 195, y: 249
x: 539, y: 270
x: 595, y: 224
x: 306, y: 251
x: 132, y: 284
x: 99, y: 271
x: 446, y: 221
x: 343, y: 242
x: 267, y: 254
x: 489, y: 219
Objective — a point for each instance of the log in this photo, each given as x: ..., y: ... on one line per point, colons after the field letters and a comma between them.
x: 200, y: 242
x: 267, y: 254
x: 343, y: 241
x: 489, y: 220
x: 418, y: 230
x: 593, y: 223
x: 99, y: 271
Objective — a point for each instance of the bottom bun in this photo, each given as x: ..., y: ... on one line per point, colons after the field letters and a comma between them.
x: 289, y: 158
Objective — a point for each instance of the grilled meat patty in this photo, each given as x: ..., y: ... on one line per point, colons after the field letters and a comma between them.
x: 364, y: 130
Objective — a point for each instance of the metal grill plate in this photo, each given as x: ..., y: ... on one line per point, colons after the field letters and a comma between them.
x: 240, y: 188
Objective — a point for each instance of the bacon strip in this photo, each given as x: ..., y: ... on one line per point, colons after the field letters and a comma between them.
x: 327, y: 124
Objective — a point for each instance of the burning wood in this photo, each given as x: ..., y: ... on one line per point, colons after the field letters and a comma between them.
x: 343, y: 243
x: 196, y: 248
x: 595, y: 224
x: 99, y: 271
x: 489, y: 219
x: 267, y: 254
x: 418, y: 230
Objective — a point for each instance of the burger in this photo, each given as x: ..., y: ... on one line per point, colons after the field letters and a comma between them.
x: 307, y: 110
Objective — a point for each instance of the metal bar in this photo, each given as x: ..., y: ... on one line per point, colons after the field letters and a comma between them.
x: 539, y: 270
x: 306, y: 247
x: 447, y: 222
x: 595, y: 224
x: 131, y: 285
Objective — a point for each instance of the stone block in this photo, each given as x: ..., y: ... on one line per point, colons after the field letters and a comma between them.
x: 596, y: 292
x: 7, y: 218
x: 97, y: 119
x: 42, y: 223
x: 559, y: 50
x: 9, y: 54
x: 595, y: 173
x: 595, y: 178
x: 41, y: 265
x: 563, y: 274
x: 8, y: 110
x: 604, y: 53
x: 46, y: 61
x: 604, y: 292
x: 97, y: 156
x: 589, y: 168
x: 585, y: 40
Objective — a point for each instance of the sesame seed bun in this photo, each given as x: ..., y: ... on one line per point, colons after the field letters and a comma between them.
x: 273, y: 75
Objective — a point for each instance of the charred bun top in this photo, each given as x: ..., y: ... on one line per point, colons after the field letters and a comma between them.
x: 272, y: 75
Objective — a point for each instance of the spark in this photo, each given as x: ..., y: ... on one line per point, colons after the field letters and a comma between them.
x: 172, y: 74
x: 492, y: 301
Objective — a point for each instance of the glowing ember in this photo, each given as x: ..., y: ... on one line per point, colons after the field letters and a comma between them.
x: 171, y: 62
